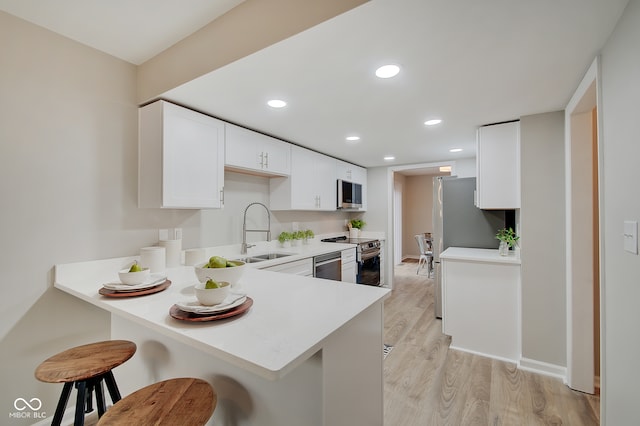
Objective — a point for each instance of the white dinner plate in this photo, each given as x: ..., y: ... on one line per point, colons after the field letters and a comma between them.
x: 230, y: 302
x: 152, y: 281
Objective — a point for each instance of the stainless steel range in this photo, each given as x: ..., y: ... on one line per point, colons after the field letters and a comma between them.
x: 367, y: 258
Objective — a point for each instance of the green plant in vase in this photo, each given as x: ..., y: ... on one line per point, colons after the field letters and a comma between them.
x: 285, y: 237
x: 308, y: 234
x: 508, y: 239
x: 357, y: 223
x: 297, y: 236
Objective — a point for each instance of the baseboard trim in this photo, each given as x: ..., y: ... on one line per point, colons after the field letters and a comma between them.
x: 544, y: 368
x: 499, y: 358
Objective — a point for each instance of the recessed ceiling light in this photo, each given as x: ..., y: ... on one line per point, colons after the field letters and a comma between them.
x: 353, y: 138
x: 433, y: 122
x: 389, y: 157
x: 455, y: 150
x: 277, y: 103
x: 387, y: 71
x: 445, y: 169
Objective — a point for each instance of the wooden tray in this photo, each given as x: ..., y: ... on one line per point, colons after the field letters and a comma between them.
x: 179, y: 314
x: 115, y: 293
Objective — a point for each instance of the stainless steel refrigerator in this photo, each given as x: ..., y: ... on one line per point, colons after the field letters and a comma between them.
x: 457, y: 222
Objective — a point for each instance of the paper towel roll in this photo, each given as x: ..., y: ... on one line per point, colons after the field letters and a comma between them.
x: 153, y: 258
x: 173, y: 248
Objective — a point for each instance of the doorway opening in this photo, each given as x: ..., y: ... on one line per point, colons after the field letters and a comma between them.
x: 412, y: 206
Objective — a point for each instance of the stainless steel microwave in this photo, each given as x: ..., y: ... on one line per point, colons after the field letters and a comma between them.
x: 349, y: 195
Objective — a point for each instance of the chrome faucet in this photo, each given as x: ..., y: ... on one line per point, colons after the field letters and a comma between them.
x: 245, y: 246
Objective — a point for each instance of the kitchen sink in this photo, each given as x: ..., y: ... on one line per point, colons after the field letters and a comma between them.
x: 263, y: 257
x: 270, y: 256
x: 250, y: 260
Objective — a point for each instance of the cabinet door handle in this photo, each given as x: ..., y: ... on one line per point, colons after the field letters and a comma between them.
x: 261, y: 161
x: 266, y: 160
x: 222, y: 196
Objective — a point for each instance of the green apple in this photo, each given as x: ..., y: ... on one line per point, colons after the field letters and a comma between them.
x: 211, y: 284
x: 217, y: 262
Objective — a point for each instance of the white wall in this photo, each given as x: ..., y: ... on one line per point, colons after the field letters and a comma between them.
x: 68, y: 179
x: 466, y: 167
x: 620, y: 175
x: 542, y: 229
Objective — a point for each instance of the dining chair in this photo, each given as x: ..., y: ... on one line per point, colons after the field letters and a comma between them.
x: 426, y: 254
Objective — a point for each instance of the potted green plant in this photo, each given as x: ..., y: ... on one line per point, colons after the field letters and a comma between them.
x: 355, y: 226
x: 508, y: 239
x: 285, y: 238
x: 308, y: 235
x: 297, y: 236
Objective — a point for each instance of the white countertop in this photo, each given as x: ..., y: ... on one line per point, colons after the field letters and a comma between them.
x: 290, y: 317
x: 479, y: 255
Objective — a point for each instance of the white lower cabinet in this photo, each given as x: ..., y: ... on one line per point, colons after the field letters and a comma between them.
x: 302, y: 267
x: 481, y: 302
x: 349, y: 265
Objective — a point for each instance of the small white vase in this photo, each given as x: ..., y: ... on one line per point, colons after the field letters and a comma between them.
x: 354, y: 233
x: 503, y: 248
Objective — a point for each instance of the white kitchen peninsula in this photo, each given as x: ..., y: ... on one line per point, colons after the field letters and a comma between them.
x: 481, y: 301
x: 308, y: 352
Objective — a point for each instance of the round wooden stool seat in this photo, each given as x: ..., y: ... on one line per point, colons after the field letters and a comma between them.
x: 182, y: 401
x: 84, y: 362
x: 86, y: 367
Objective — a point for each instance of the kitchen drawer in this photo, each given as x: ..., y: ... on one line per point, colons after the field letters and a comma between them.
x: 348, y: 255
x: 302, y: 267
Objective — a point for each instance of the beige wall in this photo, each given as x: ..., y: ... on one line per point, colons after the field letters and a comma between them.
x: 68, y: 179
x: 417, y: 212
x: 542, y: 231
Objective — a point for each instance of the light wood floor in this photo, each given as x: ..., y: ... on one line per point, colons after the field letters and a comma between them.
x: 426, y: 383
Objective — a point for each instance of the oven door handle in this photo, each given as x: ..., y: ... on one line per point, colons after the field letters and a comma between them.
x: 370, y: 255
x: 325, y: 262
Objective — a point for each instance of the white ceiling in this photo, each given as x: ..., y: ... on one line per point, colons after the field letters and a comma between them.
x: 468, y: 62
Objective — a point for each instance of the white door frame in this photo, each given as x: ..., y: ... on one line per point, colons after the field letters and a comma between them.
x: 579, y: 273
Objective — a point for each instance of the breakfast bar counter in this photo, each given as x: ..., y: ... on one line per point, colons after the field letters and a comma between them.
x: 308, y: 351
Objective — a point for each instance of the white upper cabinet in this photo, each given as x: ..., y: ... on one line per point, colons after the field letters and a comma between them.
x: 180, y: 158
x: 498, y: 166
x: 253, y: 152
x: 352, y: 173
x: 311, y: 186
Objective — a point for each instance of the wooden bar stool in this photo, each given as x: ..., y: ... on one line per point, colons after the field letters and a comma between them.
x: 182, y: 401
x: 86, y: 367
